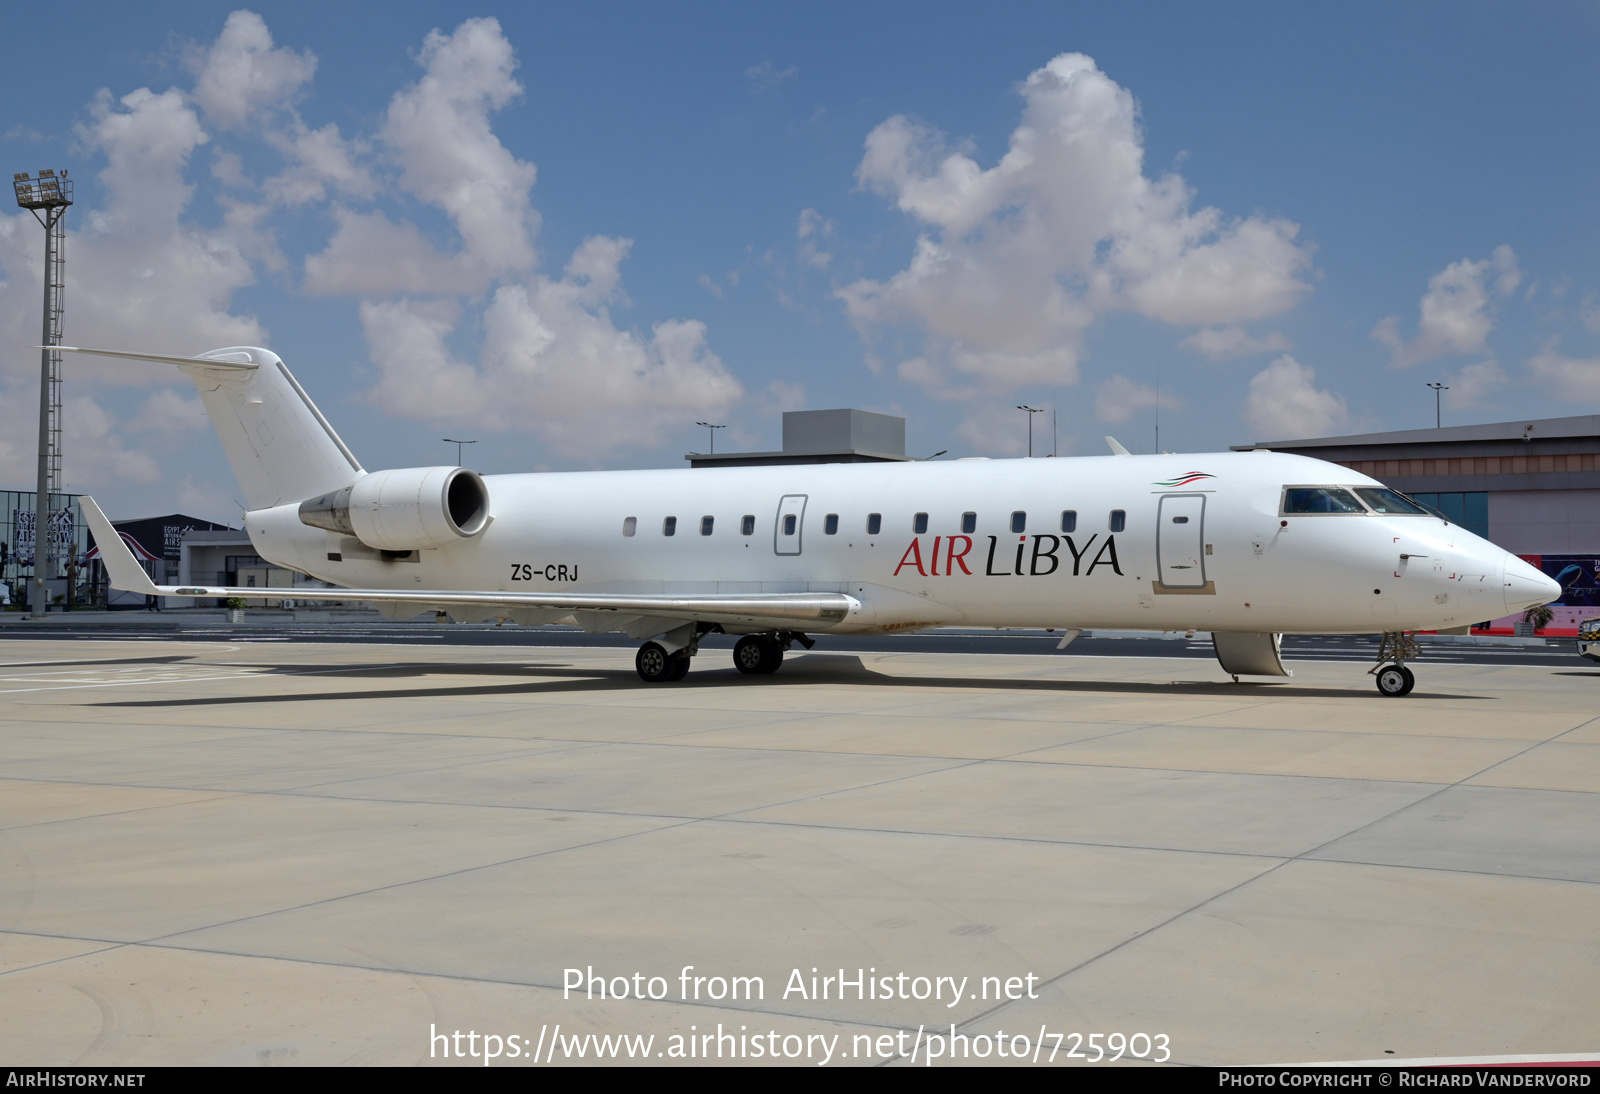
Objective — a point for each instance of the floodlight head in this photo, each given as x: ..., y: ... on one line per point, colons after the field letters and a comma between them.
x: 48, y: 191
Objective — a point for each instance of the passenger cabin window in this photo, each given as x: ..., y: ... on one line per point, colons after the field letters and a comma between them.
x: 830, y: 524
x: 1019, y: 521
x: 969, y: 523
x: 747, y: 525
x: 669, y: 527
x: 706, y: 524
x: 1069, y: 520
x: 1119, y: 520
x: 920, y: 524
x: 1319, y: 499
x: 1391, y: 503
x: 874, y: 523
x: 790, y: 523
x: 630, y: 525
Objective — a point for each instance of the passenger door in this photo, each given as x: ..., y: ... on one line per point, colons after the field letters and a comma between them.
x: 1180, y: 541
x: 786, y: 534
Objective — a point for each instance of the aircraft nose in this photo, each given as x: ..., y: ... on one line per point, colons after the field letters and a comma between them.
x: 1526, y: 587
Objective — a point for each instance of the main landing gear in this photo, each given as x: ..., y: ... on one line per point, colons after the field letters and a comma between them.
x: 753, y: 655
x: 656, y: 666
x: 759, y: 654
x: 1393, y: 677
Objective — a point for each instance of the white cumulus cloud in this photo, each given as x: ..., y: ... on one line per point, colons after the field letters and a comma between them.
x: 1016, y: 261
x: 242, y: 74
x: 1573, y: 378
x: 95, y: 452
x: 1221, y: 343
x: 552, y: 362
x: 812, y: 231
x: 1474, y: 384
x: 1119, y: 398
x: 1456, y: 314
x: 437, y: 133
x: 142, y: 274
x: 998, y: 431
x: 1284, y: 403
x: 151, y: 268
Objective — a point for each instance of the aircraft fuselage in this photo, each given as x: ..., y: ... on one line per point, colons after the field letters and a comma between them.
x: 1202, y: 542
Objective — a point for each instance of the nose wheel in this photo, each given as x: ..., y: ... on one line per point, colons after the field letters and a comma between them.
x: 1395, y: 680
x: 1396, y: 648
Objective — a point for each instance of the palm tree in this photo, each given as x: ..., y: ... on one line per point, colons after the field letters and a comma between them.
x: 1539, y: 615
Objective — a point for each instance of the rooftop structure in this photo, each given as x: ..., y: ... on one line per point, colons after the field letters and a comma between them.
x: 1543, y: 454
x: 823, y: 436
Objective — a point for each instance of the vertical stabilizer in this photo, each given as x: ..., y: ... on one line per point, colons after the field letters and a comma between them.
x: 281, y: 447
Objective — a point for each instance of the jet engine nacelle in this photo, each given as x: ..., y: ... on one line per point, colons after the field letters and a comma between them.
x: 408, y: 509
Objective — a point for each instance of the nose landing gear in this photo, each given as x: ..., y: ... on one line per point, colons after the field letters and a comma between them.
x: 1393, y: 678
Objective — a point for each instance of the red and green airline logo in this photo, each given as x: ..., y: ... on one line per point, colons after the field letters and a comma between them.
x: 1184, y: 480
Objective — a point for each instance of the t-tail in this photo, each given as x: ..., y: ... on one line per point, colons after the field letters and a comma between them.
x: 281, y: 447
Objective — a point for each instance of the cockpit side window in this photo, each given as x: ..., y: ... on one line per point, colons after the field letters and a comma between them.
x: 1320, y: 499
x: 1390, y: 503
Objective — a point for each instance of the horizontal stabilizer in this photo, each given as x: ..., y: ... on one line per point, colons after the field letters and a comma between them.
x: 209, y: 362
x: 779, y: 609
x: 122, y: 568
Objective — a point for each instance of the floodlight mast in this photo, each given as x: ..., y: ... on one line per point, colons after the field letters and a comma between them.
x: 47, y: 197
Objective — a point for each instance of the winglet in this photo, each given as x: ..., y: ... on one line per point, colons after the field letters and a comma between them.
x: 1117, y: 449
x: 125, y: 571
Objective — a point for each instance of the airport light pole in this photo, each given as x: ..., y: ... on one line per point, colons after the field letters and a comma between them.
x: 1437, y: 389
x: 1031, y: 412
x: 713, y: 429
x: 458, y: 444
x: 47, y: 198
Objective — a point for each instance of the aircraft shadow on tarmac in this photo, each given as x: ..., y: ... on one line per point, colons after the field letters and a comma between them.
x: 809, y: 669
x: 168, y: 659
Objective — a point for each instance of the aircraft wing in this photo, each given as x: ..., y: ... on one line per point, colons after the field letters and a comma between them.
x: 777, y: 609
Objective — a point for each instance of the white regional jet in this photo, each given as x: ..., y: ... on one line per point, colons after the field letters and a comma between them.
x: 1246, y: 545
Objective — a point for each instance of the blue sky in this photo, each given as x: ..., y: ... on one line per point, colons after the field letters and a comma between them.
x: 573, y: 232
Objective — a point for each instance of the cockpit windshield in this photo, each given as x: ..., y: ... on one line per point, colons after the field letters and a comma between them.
x: 1320, y: 499
x: 1390, y: 503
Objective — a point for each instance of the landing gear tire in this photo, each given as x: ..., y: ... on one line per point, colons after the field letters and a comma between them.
x: 656, y: 666
x: 749, y: 654
x: 757, y: 654
x: 1395, y: 680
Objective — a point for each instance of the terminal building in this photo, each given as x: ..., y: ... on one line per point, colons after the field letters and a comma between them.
x: 1532, y: 487
x: 67, y: 536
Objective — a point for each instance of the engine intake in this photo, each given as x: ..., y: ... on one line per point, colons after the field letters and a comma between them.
x: 405, y: 510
